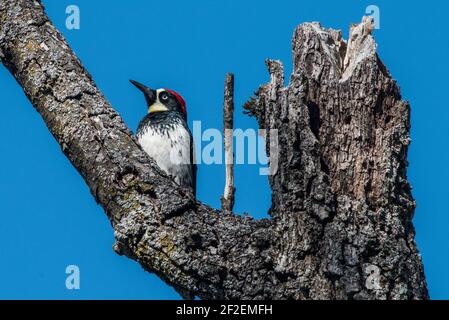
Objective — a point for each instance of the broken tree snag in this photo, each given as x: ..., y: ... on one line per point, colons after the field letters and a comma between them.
x: 342, y: 183
x: 227, y: 200
x: 342, y: 209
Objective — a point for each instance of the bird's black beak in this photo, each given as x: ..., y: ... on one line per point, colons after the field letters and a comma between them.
x: 140, y: 86
x: 150, y: 94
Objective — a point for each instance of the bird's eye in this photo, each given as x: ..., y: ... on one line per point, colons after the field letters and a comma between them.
x: 164, y: 96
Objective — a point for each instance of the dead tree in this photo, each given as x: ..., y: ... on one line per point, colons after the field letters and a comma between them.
x: 341, y: 215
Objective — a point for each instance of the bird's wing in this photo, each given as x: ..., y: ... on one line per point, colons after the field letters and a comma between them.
x: 193, y: 163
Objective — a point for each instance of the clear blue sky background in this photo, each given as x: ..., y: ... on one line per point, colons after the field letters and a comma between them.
x: 49, y: 219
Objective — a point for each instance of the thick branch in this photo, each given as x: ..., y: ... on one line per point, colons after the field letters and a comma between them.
x: 156, y: 222
x: 342, y: 206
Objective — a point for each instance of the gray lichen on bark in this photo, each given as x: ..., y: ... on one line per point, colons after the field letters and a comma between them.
x: 342, y: 208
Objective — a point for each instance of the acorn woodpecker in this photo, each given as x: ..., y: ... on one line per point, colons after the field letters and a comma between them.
x: 164, y: 135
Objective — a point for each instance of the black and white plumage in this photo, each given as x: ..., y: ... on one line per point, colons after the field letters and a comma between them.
x: 165, y: 136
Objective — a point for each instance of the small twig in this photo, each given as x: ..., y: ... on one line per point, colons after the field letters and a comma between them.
x: 227, y: 200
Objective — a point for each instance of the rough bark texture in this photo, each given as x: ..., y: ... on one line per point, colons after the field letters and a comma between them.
x: 342, y: 208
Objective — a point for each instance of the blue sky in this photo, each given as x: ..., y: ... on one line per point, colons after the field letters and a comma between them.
x: 49, y: 219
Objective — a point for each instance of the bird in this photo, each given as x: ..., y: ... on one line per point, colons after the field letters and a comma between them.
x: 165, y: 136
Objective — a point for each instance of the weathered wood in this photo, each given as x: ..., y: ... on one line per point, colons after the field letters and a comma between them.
x: 342, y: 210
x: 227, y: 200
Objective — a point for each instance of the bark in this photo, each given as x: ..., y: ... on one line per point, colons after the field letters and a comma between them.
x: 342, y: 209
x: 227, y: 200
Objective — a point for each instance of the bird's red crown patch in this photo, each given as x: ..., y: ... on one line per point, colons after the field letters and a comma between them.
x: 179, y: 98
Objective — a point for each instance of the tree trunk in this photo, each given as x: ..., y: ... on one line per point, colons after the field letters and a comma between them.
x: 342, y: 209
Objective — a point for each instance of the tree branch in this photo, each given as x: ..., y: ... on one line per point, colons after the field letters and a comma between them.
x: 342, y: 207
x: 227, y: 200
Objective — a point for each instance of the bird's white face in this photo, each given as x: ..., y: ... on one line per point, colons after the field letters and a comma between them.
x: 158, y: 105
x: 161, y: 100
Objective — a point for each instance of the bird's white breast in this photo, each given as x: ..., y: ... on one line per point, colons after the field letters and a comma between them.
x: 170, y: 149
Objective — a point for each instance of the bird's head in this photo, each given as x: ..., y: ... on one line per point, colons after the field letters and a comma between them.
x: 162, y: 100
